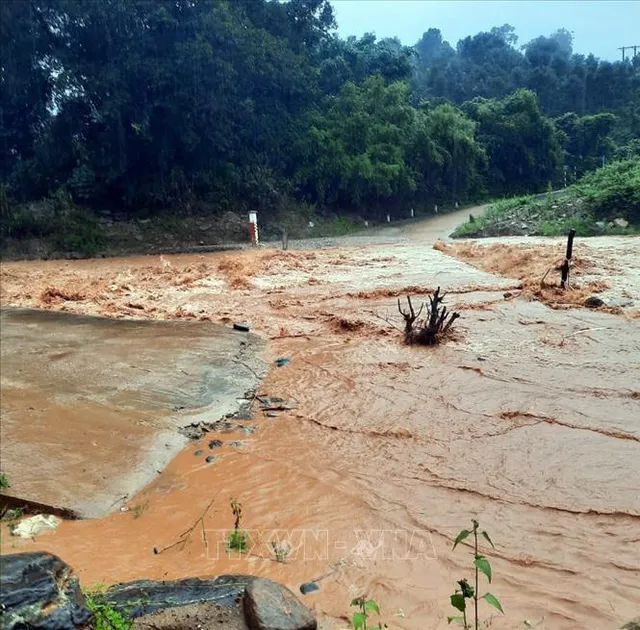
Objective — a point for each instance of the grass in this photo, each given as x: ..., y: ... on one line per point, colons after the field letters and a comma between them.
x: 4, y: 482
x: 590, y: 206
x: 139, y: 509
x: 106, y: 617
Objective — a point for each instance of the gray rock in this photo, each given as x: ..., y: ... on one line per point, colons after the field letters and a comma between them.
x: 198, y: 452
x: 622, y: 223
x: 270, y: 606
x: 594, y: 301
x: 210, y: 459
x: 144, y: 597
x: 309, y: 587
x: 38, y: 590
x: 634, y: 624
x: 215, y: 443
x: 601, y: 224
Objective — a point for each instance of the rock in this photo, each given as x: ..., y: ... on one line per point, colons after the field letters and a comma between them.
x: 507, y: 294
x: 270, y: 606
x: 594, y: 301
x: 144, y: 597
x: 35, y: 525
x: 271, y: 414
x: 241, y: 327
x: 621, y: 223
x: 634, y: 624
x: 198, y: 452
x: 601, y: 224
x: 210, y: 459
x: 215, y: 443
x: 38, y: 590
x: 309, y: 587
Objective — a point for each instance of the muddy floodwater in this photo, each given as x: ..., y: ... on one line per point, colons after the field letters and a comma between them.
x: 528, y: 420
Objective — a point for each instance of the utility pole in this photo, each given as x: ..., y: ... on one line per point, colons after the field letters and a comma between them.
x: 625, y: 48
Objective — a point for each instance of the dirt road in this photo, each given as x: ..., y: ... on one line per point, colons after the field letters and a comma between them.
x: 528, y: 421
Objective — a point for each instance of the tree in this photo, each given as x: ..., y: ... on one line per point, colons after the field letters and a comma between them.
x: 522, y: 145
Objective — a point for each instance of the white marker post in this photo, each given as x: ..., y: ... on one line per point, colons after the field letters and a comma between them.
x: 435, y: 208
x: 388, y: 219
x: 412, y: 213
x: 253, y: 228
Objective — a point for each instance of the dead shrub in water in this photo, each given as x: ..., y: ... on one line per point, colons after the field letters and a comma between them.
x: 52, y: 294
x: 431, y: 330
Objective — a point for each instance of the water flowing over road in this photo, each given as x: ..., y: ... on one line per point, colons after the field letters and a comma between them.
x: 528, y: 420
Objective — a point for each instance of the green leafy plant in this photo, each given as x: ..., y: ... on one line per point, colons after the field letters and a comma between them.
x: 106, y: 616
x: 366, y: 608
x: 238, y: 537
x: 4, y: 482
x: 465, y: 591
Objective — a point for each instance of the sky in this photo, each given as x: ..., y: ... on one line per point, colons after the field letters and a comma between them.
x: 598, y: 26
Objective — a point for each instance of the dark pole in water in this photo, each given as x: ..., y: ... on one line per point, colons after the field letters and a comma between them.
x: 564, y: 281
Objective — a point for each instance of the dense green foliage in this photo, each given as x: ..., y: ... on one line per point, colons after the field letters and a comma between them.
x: 210, y: 106
x: 591, y: 206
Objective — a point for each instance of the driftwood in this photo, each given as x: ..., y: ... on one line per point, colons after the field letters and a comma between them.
x: 430, y: 330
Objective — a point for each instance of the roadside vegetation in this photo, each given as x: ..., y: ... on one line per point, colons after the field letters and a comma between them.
x: 106, y: 617
x: 606, y: 201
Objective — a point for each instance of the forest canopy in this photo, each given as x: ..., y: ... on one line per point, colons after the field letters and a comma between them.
x: 225, y: 105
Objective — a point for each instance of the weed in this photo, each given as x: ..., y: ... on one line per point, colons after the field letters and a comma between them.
x: 106, y: 617
x: 238, y: 537
x: 139, y: 509
x: 11, y: 518
x: 366, y: 607
x: 468, y: 592
x: 4, y: 482
x: 281, y: 550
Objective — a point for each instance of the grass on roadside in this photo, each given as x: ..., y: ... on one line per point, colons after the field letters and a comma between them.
x: 604, y: 202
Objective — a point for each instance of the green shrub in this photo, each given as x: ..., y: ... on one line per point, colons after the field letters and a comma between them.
x: 106, y: 617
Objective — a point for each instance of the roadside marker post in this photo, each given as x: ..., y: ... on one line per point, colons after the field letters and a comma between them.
x: 253, y: 228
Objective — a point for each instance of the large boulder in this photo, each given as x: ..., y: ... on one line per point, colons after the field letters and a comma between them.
x: 38, y: 590
x: 270, y: 606
x: 144, y: 597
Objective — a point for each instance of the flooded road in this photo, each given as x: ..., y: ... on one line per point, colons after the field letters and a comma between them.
x: 529, y: 420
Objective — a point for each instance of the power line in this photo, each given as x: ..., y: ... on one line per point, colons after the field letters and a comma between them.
x: 625, y: 48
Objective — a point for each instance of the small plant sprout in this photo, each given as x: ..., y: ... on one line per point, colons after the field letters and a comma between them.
x: 4, y: 482
x: 237, y: 538
x: 139, y: 509
x: 280, y: 550
x: 106, y: 617
x: 366, y: 608
x: 466, y: 591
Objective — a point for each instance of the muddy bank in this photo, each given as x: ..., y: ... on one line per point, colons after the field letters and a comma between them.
x: 92, y: 408
x: 528, y: 421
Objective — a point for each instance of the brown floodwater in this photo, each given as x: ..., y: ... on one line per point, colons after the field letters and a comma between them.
x: 529, y: 420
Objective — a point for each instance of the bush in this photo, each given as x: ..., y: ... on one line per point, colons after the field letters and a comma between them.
x: 57, y: 220
x: 613, y: 191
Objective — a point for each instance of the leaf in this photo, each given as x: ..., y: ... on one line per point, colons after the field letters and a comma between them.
x: 455, y: 619
x: 483, y: 565
x: 458, y: 602
x: 491, y: 599
x: 460, y: 537
x: 488, y: 539
x: 359, y: 620
x: 372, y: 606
